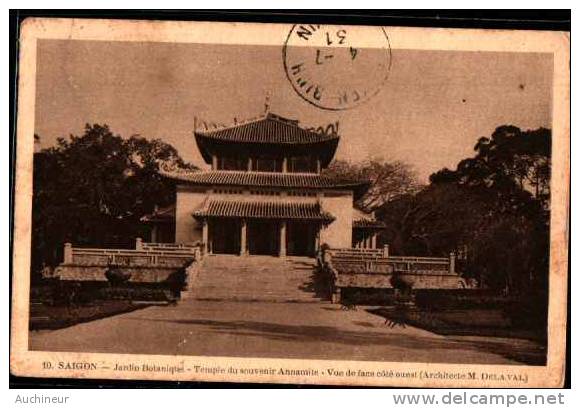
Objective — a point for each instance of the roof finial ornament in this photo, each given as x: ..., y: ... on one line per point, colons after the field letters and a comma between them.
x: 267, y: 103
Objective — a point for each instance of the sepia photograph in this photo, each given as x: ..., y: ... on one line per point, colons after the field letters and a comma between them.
x: 291, y: 203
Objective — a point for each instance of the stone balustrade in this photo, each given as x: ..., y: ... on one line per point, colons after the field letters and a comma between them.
x: 375, y: 268
x: 148, y: 263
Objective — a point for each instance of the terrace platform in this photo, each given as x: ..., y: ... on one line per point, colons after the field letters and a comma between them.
x: 267, y: 307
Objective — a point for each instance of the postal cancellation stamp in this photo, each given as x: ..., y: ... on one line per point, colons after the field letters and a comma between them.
x: 337, y: 67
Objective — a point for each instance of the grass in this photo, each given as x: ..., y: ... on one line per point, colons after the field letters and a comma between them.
x: 461, y: 322
x: 44, y: 316
x: 55, y: 305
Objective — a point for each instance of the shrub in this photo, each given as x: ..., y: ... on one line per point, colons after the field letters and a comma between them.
x: 117, y: 276
x: 440, y: 299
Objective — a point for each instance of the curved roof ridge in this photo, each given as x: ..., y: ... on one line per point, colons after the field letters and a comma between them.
x: 268, y: 128
x: 232, y: 125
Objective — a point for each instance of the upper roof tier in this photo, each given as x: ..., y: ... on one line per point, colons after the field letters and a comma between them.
x: 271, y: 135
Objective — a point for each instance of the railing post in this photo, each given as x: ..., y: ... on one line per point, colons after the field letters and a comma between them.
x: 386, y: 251
x: 197, y: 254
x: 452, y: 257
x: 326, y: 256
x: 139, y: 244
x: 68, y: 254
x: 336, y: 296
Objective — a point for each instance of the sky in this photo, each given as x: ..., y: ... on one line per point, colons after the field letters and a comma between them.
x: 429, y: 113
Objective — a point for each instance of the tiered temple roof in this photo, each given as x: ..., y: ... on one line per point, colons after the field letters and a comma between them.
x: 261, y: 179
x: 254, y: 178
x: 267, y: 129
x: 263, y: 210
x: 271, y: 133
x: 362, y: 219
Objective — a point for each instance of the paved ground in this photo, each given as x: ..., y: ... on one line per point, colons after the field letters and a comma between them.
x: 251, y: 327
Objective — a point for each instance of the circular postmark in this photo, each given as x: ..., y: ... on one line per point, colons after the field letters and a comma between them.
x: 336, y: 67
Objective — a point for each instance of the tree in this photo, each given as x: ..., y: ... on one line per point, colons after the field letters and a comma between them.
x: 93, y: 189
x: 388, y: 180
x: 494, y: 208
x: 434, y: 222
x: 511, y: 159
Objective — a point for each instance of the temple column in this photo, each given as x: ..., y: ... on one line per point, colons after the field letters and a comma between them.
x: 374, y: 240
x: 285, y: 165
x: 243, y: 237
x: 214, y: 162
x: 318, y: 166
x: 282, y: 239
x: 205, y: 237
x: 317, y: 239
x: 249, y: 164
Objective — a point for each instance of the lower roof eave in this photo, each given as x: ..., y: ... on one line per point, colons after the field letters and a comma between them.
x: 278, y: 211
x: 321, y: 220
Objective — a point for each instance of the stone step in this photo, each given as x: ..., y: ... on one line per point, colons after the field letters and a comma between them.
x: 249, y: 289
x: 253, y: 279
x: 296, y: 293
x: 224, y: 293
x: 254, y: 298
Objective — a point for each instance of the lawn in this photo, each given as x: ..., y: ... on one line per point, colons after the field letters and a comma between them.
x: 44, y: 316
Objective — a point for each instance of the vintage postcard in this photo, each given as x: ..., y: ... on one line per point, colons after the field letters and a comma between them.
x: 291, y: 203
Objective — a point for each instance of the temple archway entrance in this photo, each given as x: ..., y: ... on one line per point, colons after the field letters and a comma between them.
x: 301, y: 238
x: 225, y: 236
x: 263, y: 237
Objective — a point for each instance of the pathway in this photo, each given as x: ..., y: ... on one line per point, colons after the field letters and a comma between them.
x: 267, y: 307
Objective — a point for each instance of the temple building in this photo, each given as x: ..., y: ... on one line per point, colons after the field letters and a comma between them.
x: 264, y: 194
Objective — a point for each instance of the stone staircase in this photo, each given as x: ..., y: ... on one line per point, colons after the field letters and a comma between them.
x: 255, y: 279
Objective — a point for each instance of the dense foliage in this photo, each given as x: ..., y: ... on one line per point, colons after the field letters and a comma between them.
x: 93, y: 189
x: 387, y: 180
x: 493, y: 211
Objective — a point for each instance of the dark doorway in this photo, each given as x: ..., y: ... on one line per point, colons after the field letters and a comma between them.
x: 263, y: 238
x: 163, y: 232
x: 225, y: 236
x: 301, y: 238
